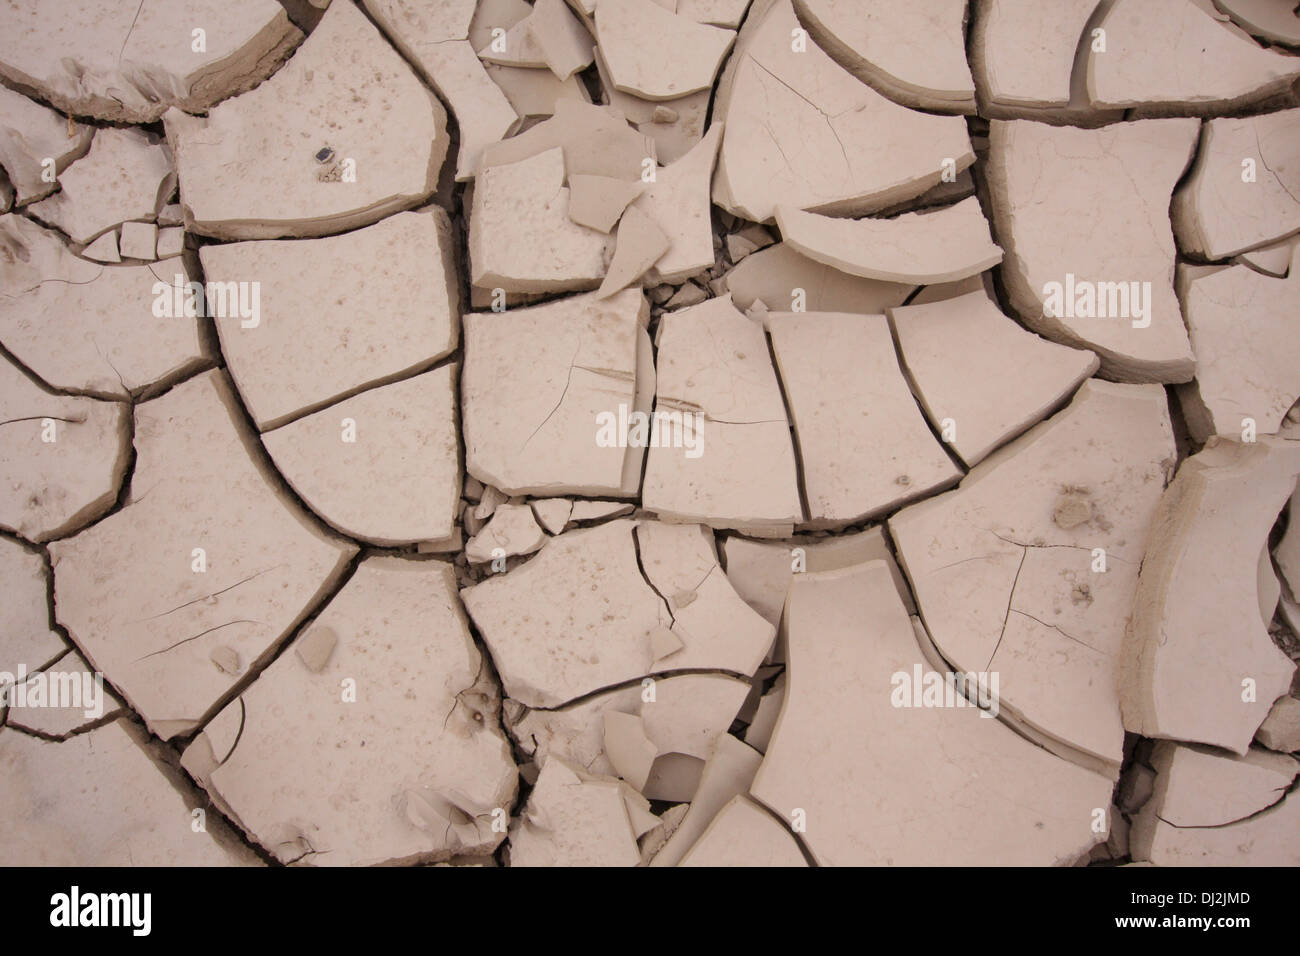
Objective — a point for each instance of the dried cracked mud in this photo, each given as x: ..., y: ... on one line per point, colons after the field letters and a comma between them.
x: 649, y: 432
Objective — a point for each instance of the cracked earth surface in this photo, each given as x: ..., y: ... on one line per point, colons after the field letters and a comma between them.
x: 649, y: 433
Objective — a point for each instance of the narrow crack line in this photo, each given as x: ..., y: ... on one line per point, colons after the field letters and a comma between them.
x: 826, y: 117
x: 33, y: 288
x: 121, y: 381
x: 456, y: 701
x: 136, y: 501
x: 1044, y: 547
x: 623, y: 375
x: 953, y: 564
x: 567, y: 382
x: 1007, y: 616
x: 640, y: 566
x: 41, y: 418
x: 656, y: 675
x: 1265, y: 164
x: 243, y: 716
x: 1058, y: 630
x: 194, y: 638
x: 1285, y: 792
x: 700, y: 583
x: 196, y: 600
x: 127, y: 39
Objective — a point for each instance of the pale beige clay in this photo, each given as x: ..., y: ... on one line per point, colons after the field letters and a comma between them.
x: 31, y: 133
x: 1023, y: 51
x: 262, y: 564
x: 396, y: 316
x: 993, y: 797
x: 521, y: 238
x: 1244, y: 188
x: 512, y: 530
x: 761, y: 571
x: 597, y: 201
x: 1005, y: 568
x: 1243, y: 330
x: 62, y: 460
x: 917, y: 248
x: 344, y: 135
x: 101, y: 799
x: 26, y: 638
x: 424, y: 789
x: 1175, y: 53
x: 913, y: 52
x: 863, y: 441
x: 980, y: 377
x: 435, y: 38
x: 744, y: 834
x: 127, y: 174
x: 1199, y: 664
x: 713, y: 362
x: 1212, y: 809
x: 128, y: 64
x: 400, y: 438
x: 782, y: 278
x: 656, y: 54
x: 803, y: 131
x: 1118, y: 180
x: 112, y: 332
x: 536, y: 379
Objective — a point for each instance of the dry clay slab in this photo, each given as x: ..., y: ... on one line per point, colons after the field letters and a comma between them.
x: 1199, y: 664
x: 207, y: 557
x: 125, y: 63
x: 302, y: 780
x: 344, y: 135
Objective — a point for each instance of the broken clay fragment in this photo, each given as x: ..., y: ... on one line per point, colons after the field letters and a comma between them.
x: 137, y: 812
x: 366, y: 327
x: 1115, y: 297
x: 229, y: 560
x: 804, y: 132
x: 1243, y: 330
x: 862, y: 440
x: 387, y: 781
x: 126, y: 175
x: 26, y: 639
x: 744, y: 834
x: 539, y: 381
x: 1028, y: 569
x: 721, y: 452
x: 1244, y: 188
x: 655, y: 54
x: 62, y: 460
x: 399, y: 437
x: 35, y: 145
x: 980, y: 377
x: 942, y: 245
x: 855, y: 794
x: 915, y: 53
x: 512, y: 530
x: 1177, y: 55
x: 1210, y: 809
x: 344, y: 135
x: 521, y: 238
x: 1199, y: 663
x: 121, y: 330
x: 128, y: 64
